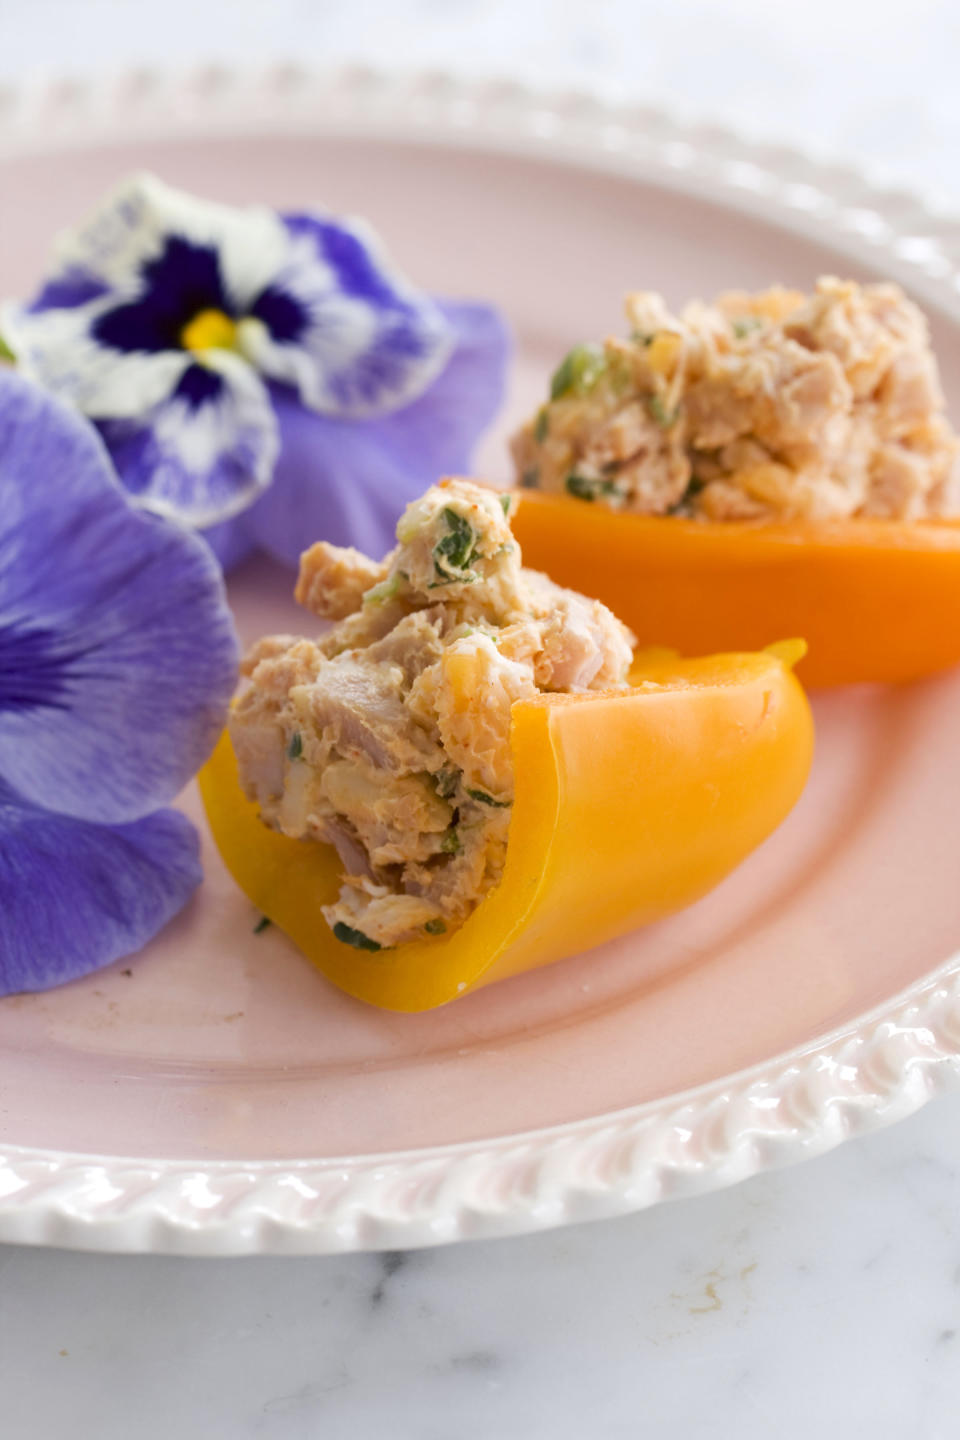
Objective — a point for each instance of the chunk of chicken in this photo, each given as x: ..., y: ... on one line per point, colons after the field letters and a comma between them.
x: 334, y: 579
x: 390, y: 737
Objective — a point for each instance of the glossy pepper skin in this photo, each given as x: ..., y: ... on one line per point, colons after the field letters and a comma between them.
x: 629, y: 805
x: 876, y: 600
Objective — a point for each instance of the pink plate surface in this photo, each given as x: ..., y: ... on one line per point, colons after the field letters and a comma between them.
x: 217, y: 1044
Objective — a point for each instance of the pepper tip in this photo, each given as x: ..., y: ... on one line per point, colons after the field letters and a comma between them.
x: 790, y: 652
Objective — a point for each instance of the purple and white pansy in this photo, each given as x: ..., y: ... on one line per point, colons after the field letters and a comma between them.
x: 262, y: 379
x: 268, y: 379
x: 117, y: 663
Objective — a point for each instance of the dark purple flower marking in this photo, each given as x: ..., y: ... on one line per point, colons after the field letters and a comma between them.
x: 31, y: 669
x: 175, y: 287
x: 283, y: 316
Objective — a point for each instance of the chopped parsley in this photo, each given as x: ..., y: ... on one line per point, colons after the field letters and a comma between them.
x: 445, y: 782
x: 348, y: 936
x: 485, y: 799
x: 578, y: 371
x: 541, y: 426
x: 584, y: 488
x: 505, y: 504
x: 295, y: 748
x: 452, y: 554
x: 5, y: 352
x: 682, y: 507
x: 450, y: 844
x: 262, y: 924
x: 436, y: 927
x: 745, y: 324
x: 664, y: 417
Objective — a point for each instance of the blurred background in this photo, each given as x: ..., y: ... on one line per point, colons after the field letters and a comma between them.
x: 875, y: 79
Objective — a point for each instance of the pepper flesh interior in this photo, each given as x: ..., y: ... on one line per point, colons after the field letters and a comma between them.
x: 628, y: 806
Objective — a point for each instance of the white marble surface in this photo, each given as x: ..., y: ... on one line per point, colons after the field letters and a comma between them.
x: 820, y: 1301
x: 823, y: 1300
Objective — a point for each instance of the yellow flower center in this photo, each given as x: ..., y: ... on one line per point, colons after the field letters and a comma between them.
x: 210, y: 330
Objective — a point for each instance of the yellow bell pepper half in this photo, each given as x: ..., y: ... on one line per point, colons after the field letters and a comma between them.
x: 628, y: 806
x: 876, y: 600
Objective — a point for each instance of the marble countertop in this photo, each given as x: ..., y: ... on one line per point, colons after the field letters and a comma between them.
x: 821, y: 1300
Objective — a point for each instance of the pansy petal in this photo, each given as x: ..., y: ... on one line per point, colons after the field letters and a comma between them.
x: 231, y: 542
x: 68, y: 289
x: 439, y: 431
x: 348, y: 482
x: 57, y: 349
x: 205, y: 453
x: 117, y: 650
x: 334, y: 481
x: 132, y: 225
x: 343, y: 326
x: 75, y: 896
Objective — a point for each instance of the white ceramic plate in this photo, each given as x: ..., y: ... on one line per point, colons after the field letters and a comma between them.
x: 214, y: 1094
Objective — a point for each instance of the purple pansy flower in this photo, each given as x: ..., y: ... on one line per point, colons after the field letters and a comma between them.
x: 265, y: 378
x: 117, y: 662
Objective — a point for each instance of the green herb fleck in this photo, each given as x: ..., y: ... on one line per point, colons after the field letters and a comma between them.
x: 453, y: 553
x: 445, y: 782
x: 642, y: 337
x: 6, y: 354
x: 485, y: 799
x: 530, y: 479
x: 262, y: 924
x: 682, y: 507
x: 745, y: 324
x: 578, y: 371
x: 660, y: 413
x: 436, y: 927
x: 295, y: 748
x: 505, y: 504
x: 541, y: 426
x: 450, y: 844
x: 348, y: 936
x: 584, y: 488
x: 385, y: 590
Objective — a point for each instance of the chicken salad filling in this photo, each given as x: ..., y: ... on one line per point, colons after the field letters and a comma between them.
x: 776, y: 405
x: 388, y: 737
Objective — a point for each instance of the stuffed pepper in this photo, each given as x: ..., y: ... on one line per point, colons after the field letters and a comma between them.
x: 468, y: 775
x: 770, y: 464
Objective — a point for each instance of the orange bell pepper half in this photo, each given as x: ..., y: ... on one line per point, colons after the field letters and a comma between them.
x: 876, y: 600
x: 628, y: 806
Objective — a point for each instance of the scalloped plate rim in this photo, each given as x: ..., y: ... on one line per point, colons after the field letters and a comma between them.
x: 908, y: 1047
